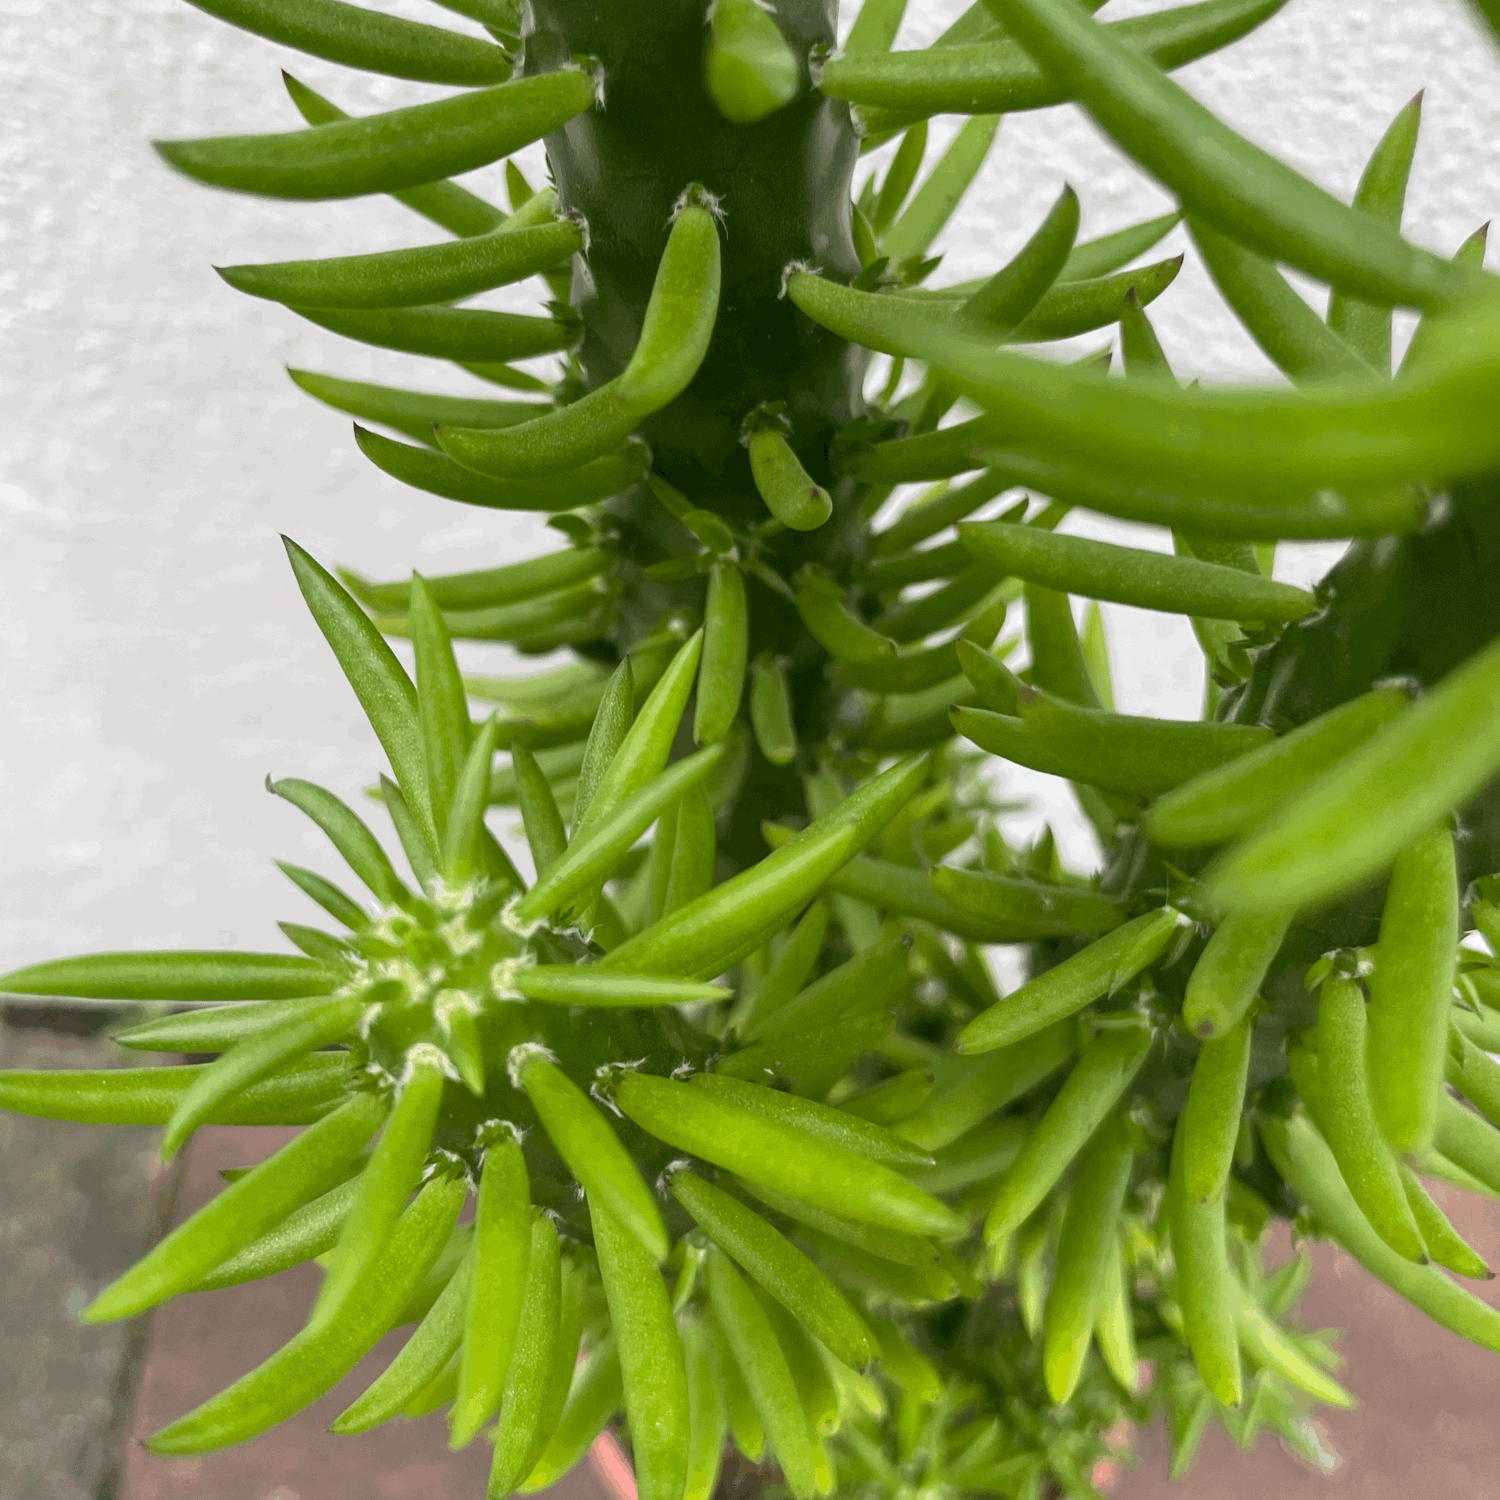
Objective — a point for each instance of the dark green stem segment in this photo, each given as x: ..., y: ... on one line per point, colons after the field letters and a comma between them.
x: 782, y: 185
x: 1411, y: 607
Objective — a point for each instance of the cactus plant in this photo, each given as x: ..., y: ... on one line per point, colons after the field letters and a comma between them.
x: 760, y: 1154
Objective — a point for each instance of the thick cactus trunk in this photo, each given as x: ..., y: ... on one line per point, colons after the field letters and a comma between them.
x: 783, y: 188
x: 782, y: 185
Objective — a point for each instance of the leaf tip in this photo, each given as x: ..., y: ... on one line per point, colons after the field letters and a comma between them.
x: 100, y: 1310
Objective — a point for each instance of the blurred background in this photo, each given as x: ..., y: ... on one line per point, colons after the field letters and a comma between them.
x: 156, y: 662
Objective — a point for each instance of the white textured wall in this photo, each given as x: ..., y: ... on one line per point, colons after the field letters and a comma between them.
x: 156, y: 659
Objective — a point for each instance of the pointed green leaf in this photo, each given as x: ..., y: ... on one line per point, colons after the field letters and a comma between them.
x: 1131, y: 575
x: 443, y: 332
x: 568, y: 616
x: 934, y: 202
x: 316, y: 1359
x: 411, y: 412
x: 311, y: 1231
x: 1130, y: 755
x: 1218, y: 175
x: 788, y: 971
x: 446, y: 204
x: 1297, y: 340
x: 1014, y: 291
x: 420, y: 1361
x: 394, y: 1169
x: 399, y: 149
x: 315, y: 943
x: 361, y: 38
x: 646, y: 744
x: 308, y: 1166
x: 379, y: 681
x: 491, y: 1315
x: 442, y: 704
x: 587, y: 1142
x: 581, y: 984
x: 254, y: 1058
x: 767, y: 1255
x: 348, y: 833
x: 785, y: 1158
x: 466, y: 818
x: 216, y: 1029
x: 340, y: 907
x: 874, y: 1142
x: 438, y: 474
x: 835, y: 626
x: 1108, y: 963
x: 1306, y: 1163
x: 1000, y: 77
x: 1365, y: 440
x: 419, y: 852
x: 1101, y: 1075
x: 652, y: 1366
x: 1381, y: 193
x: 411, y: 278
x: 546, y: 832
x: 554, y: 443
x: 611, y: 724
x: 682, y: 308
x: 1109, y: 252
x: 1087, y: 1239
x: 875, y: 979
x: 296, y: 1095
x: 531, y: 1363
x: 1428, y: 336
x: 899, y: 179
x: 176, y: 976
x: 597, y: 849
x: 485, y: 588
x: 706, y: 936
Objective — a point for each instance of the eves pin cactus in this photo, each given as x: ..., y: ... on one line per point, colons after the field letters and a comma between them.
x: 763, y: 1163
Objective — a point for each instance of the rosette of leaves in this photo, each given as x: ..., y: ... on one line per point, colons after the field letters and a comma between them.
x: 461, y: 1006
x: 851, y: 1151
